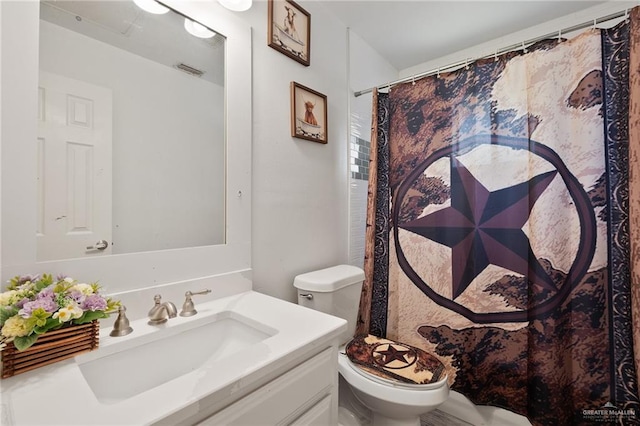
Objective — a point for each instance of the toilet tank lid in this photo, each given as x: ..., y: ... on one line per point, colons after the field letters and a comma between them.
x: 329, y: 279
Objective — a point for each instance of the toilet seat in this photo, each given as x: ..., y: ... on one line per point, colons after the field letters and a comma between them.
x: 393, y: 382
x: 393, y: 363
x: 396, y: 393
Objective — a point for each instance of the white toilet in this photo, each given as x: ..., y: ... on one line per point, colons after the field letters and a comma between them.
x: 378, y: 400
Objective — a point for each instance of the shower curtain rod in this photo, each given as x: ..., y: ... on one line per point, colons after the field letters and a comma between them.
x: 522, y: 45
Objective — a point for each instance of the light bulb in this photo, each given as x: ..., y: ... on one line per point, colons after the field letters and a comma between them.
x: 196, y: 29
x: 236, y: 5
x: 151, y: 6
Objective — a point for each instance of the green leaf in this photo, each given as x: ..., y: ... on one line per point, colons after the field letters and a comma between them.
x: 51, y: 324
x: 6, y: 313
x: 89, y: 316
x: 39, y: 317
x: 45, y: 281
x: 22, y: 343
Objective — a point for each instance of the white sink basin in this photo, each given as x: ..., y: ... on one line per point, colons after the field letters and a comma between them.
x: 129, y: 372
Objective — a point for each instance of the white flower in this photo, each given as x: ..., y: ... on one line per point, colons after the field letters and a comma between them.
x: 69, y: 280
x: 8, y: 298
x: 69, y: 312
x: 83, y: 288
x: 15, y: 326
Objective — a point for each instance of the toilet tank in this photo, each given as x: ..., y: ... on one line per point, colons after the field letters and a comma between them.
x: 334, y: 291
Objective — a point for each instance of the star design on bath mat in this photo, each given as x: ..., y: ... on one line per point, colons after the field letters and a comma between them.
x: 386, y: 356
x: 485, y: 228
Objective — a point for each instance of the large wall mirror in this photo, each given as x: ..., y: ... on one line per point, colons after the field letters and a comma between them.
x: 131, y: 132
x: 179, y: 160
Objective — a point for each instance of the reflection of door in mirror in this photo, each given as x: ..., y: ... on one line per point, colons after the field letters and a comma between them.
x: 74, y: 165
x: 167, y: 173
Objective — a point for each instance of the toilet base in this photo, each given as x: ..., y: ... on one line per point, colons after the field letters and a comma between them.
x: 347, y: 418
x: 351, y: 412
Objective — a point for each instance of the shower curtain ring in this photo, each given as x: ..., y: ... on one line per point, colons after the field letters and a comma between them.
x: 495, y: 56
x: 559, y: 35
x: 524, y: 48
x: 595, y: 22
x: 466, y: 64
x: 413, y: 80
x: 626, y: 15
x: 438, y: 73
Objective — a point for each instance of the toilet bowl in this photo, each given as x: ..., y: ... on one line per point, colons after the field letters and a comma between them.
x: 381, y: 399
x: 391, y: 402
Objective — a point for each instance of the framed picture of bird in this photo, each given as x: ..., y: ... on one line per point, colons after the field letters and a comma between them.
x: 289, y: 30
x: 308, y: 114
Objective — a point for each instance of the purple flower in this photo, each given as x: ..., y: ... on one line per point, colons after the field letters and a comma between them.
x: 48, y: 305
x: 94, y: 302
x: 77, y: 296
x: 21, y: 303
x: 46, y: 293
x: 28, y: 278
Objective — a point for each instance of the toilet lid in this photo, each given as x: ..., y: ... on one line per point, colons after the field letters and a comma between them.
x: 394, y: 361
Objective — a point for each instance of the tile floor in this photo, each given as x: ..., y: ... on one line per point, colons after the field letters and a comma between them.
x: 439, y: 418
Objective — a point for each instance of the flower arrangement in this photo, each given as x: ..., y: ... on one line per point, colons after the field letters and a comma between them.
x: 33, y: 305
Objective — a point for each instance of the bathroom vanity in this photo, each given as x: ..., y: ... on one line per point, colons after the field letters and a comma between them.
x: 246, y: 358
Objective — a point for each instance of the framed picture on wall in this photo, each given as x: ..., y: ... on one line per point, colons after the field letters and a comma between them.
x: 308, y: 114
x: 290, y: 30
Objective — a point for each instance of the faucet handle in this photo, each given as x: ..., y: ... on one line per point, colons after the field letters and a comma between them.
x: 157, y: 299
x: 188, y: 309
x: 121, y: 327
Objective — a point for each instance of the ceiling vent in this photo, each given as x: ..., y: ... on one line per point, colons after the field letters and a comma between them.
x: 189, y: 70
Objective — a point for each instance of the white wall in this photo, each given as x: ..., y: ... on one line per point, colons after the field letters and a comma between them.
x: 550, y: 27
x: 168, y: 169
x: 1, y: 137
x: 300, y: 191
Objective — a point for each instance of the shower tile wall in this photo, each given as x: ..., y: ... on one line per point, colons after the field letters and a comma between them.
x: 359, y: 167
x: 359, y: 158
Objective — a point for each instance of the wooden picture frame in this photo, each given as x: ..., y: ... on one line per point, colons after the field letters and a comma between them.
x: 308, y: 114
x: 289, y: 30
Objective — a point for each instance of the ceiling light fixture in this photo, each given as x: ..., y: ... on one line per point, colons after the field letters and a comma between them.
x: 151, y: 6
x: 197, y: 30
x: 236, y: 5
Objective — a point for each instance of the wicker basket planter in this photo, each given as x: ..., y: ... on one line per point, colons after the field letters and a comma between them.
x: 52, y: 346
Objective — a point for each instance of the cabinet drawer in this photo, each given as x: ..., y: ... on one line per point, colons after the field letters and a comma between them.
x: 280, y: 398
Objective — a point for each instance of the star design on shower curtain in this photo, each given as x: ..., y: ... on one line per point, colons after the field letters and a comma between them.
x: 484, y: 227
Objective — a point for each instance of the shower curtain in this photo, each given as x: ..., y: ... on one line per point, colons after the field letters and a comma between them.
x: 503, y: 230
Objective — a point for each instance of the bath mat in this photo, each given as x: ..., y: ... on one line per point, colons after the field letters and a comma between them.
x: 393, y: 360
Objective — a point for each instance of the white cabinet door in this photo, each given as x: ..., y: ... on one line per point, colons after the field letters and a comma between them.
x: 318, y: 415
x: 287, y: 397
x: 74, y: 168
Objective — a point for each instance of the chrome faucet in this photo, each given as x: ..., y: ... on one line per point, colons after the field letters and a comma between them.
x: 161, y: 312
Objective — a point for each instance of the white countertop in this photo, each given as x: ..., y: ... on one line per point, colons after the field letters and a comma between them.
x: 59, y: 394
